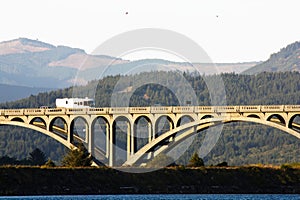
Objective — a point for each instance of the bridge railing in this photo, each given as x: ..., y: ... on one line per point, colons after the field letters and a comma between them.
x: 161, y: 109
x: 95, y: 111
x: 204, y: 109
x: 55, y: 111
x: 273, y: 108
x: 13, y: 112
x: 250, y: 108
x: 154, y: 110
x: 229, y: 109
x: 139, y: 110
x: 183, y: 109
x: 76, y: 111
x: 34, y: 111
x: 118, y: 110
x: 289, y: 108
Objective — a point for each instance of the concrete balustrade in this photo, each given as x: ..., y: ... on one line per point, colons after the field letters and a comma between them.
x: 272, y: 108
x: 34, y: 111
x: 183, y: 109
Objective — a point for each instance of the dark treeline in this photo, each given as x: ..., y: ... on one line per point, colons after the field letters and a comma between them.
x: 240, y: 143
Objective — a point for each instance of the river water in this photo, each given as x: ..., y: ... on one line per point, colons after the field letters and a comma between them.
x: 162, y: 197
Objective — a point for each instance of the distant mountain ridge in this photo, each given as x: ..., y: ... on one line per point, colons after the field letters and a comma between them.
x: 287, y: 59
x: 34, y: 61
x: 23, y: 45
x: 28, y: 63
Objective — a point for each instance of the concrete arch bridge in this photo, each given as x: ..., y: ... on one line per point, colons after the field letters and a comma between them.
x: 141, y: 133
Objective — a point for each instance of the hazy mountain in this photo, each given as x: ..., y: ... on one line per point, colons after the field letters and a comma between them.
x: 37, y: 64
x: 12, y: 93
x: 33, y: 63
x: 287, y: 59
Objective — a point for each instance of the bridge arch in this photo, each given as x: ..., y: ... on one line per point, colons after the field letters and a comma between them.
x: 147, y: 117
x: 121, y: 139
x: 142, y: 131
x: 59, y: 126
x: 100, y: 134
x: 184, y: 119
x: 38, y: 121
x: 163, y: 123
x: 41, y: 130
x: 17, y: 119
x: 276, y: 118
x: 294, y: 122
x: 253, y: 116
x: 194, y: 128
x: 79, y: 127
x: 207, y: 116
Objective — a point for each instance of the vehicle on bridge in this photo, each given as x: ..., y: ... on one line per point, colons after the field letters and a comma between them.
x: 75, y: 103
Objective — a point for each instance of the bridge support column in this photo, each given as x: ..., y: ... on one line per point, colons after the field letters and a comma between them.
x: 107, y: 139
x: 90, y: 138
x: 149, y: 132
x: 110, y: 144
x: 70, y: 133
x: 130, y: 139
x: 153, y: 131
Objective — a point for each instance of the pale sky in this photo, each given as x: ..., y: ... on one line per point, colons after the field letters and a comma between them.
x: 228, y: 30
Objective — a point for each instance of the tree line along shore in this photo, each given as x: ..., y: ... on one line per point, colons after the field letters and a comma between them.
x: 18, y: 180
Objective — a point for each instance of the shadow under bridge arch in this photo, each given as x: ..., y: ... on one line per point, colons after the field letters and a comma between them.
x: 142, y: 132
x: 100, y: 139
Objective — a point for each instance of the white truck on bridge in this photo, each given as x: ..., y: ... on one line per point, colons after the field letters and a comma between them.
x: 75, y: 103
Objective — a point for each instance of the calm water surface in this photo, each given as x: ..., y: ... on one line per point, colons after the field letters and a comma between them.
x: 163, y: 197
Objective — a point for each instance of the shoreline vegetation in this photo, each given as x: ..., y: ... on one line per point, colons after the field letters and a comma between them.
x: 250, y: 179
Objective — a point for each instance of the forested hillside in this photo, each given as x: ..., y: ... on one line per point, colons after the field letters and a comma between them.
x: 240, y: 143
x: 287, y: 59
x: 264, y: 88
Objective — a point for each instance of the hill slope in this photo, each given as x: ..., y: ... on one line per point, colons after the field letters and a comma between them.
x: 287, y: 59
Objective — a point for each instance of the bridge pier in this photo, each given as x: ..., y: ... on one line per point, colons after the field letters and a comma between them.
x: 70, y: 133
x: 110, y: 144
x: 90, y: 138
x: 130, y: 139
